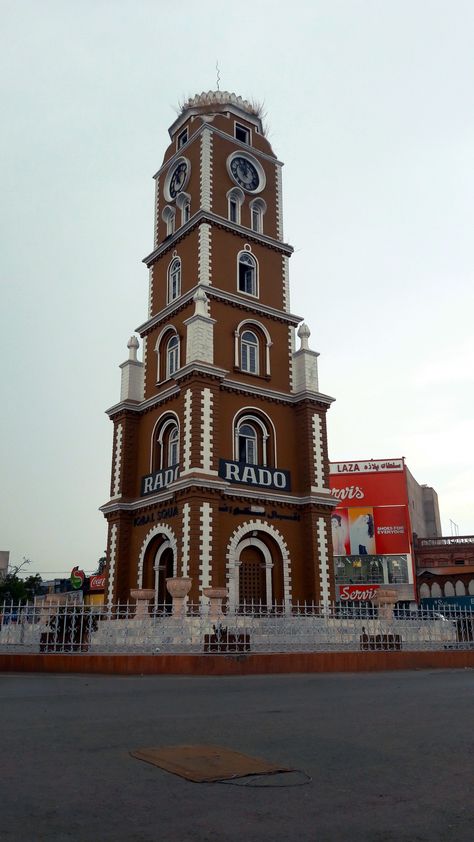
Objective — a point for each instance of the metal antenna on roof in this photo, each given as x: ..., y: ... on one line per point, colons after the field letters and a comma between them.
x: 218, y: 75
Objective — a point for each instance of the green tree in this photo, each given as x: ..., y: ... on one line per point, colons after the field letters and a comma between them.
x: 14, y: 588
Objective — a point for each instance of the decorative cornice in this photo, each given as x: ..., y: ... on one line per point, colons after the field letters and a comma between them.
x: 244, y: 303
x: 219, y: 222
x: 149, y: 403
x: 224, y: 488
x: 200, y: 368
x: 273, y: 395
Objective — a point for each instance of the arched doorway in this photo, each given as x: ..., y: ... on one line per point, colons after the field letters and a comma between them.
x: 252, y: 577
x: 164, y: 569
x: 158, y: 564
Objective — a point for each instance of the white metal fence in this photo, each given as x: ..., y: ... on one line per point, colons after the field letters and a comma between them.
x: 77, y: 628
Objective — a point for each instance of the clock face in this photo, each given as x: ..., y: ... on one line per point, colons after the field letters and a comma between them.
x: 244, y: 173
x: 178, y: 179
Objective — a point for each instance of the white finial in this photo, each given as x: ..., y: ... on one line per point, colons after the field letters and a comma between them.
x: 132, y: 346
x: 304, y: 333
x: 201, y: 301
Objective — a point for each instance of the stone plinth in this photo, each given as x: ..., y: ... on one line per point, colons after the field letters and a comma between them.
x: 178, y: 587
x: 142, y: 596
x: 215, y: 597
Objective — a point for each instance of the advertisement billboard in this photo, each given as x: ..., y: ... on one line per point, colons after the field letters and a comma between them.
x: 371, y: 517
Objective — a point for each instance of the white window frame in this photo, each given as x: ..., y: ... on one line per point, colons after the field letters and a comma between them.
x: 172, y: 355
x: 174, y: 280
x: 250, y: 259
x: 235, y: 198
x: 169, y: 218
x: 257, y: 210
x: 183, y: 202
x: 179, y: 140
x: 246, y: 348
x: 246, y: 129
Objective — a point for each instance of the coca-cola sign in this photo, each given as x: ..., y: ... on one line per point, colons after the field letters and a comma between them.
x: 357, y: 593
x: 97, y: 583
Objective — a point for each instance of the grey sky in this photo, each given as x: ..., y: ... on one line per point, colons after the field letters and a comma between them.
x: 370, y: 106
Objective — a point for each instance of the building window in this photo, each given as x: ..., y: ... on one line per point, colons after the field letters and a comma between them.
x: 249, y: 352
x: 242, y: 133
x: 252, y: 347
x: 247, y: 444
x: 165, y: 444
x: 172, y: 356
x: 257, y: 210
x: 182, y: 138
x: 235, y: 197
x: 253, y: 443
x: 247, y: 273
x: 183, y: 202
x: 174, y: 279
x: 168, y: 216
x: 173, y: 446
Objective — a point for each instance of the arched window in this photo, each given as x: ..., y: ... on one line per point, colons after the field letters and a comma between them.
x: 257, y: 210
x: 247, y: 444
x: 174, y: 279
x: 173, y: 446
x: 172, y: 356
x: 165, y: 444
x: 254, y: 439
x: 252, y: 347
x: 183, y: 202
x: 235, y: 197
x: 247, y: 273
x: 249, y: 352
x: 168, y: 217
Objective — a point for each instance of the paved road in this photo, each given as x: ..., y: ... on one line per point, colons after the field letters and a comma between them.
x: 391, y: 756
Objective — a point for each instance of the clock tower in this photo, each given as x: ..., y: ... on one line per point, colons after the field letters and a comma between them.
x: 220, y: 466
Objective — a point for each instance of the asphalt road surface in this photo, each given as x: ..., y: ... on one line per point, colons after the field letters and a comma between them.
x: 390, y: 756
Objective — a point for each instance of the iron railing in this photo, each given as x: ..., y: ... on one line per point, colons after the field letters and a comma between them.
x: 78, y: 628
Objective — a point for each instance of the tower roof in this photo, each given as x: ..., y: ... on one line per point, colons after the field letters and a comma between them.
x: 215, y: 102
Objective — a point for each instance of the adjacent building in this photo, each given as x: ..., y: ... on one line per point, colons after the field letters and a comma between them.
x: 220, y: 469
x: 380, y: 511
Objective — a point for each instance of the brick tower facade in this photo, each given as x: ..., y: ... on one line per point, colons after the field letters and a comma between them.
x: 220, y: 466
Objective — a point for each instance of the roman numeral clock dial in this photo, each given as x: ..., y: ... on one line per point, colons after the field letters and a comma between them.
x: 246, y: 173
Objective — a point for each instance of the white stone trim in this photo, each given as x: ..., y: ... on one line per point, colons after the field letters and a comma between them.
x: 204, y: 254
x: 187, y: 438
x: 144, y: 353
x: 112, y: 562
x: 291, y: 350
x: 207, y: 429
x: 206, y: 170
x: 232, y: 557
x: 186, y: 540
x: 157, y: 211
x: 116, y: 491
x: 159, y: 529
x: 279, y: 201
x: 205, y: 547
x: 318, y: 453
x: 285, y: 274
x: 323, y: 561
x: 150, y: 292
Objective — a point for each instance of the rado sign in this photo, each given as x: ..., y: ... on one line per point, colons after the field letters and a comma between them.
x: 159, y: 479
x: 258, y: 475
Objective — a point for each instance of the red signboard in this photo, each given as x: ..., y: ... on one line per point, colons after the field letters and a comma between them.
x: 371, y: 517
x: 357, y: 593
x: 97, y: 583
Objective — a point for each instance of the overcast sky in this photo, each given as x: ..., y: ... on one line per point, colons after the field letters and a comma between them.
x: 370, y: 106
